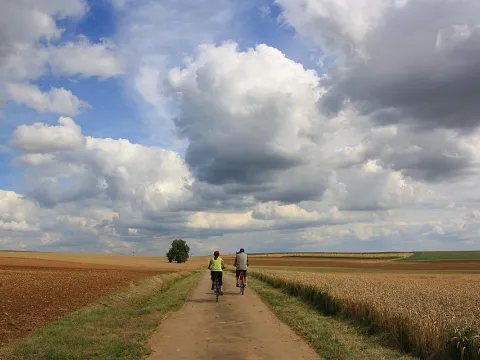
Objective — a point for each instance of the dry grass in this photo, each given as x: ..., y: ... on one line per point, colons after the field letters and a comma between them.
x: 419, y: 313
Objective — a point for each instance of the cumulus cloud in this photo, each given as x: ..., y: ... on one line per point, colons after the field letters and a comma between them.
x: 419, y: 60
x: 277, y: 156
x: 338, y: 26
x: 57, y: 100
x: 31, y: 47
x: 411, y: 65
x: 85, y: 58
x: 259, y: 108
x: 40, y: 138
x: 24, y: 22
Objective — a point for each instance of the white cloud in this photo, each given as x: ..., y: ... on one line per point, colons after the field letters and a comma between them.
x: 338, y: 26
x: 31, y: 46
x: 24, y: 22
x: 85, y: 58
x: 40, y: 138
x: 278, y: 157
x: 57, y: 100
x: 260, y: 108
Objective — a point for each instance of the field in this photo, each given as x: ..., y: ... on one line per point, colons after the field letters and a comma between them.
x: 444, y: 255
x: 419, y: 309
x: 38, y: 288
x: 423, y: 303
x: 337, y: 255
x: 97, y: 261
x: 370, y: 264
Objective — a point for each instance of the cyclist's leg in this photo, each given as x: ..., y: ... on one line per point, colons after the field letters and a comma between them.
x: 237, y: 274
x: 245, y: 277
x: 212, y: 277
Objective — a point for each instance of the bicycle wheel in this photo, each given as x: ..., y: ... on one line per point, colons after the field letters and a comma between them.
x: 242, y: 285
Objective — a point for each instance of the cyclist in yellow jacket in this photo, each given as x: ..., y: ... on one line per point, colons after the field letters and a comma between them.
x: 216, y: 270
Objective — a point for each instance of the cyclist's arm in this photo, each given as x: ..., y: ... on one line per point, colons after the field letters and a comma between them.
x: 235, y: 264
x: 223, y: 266
x: 210, y: 265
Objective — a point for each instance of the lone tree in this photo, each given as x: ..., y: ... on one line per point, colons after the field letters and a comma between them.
x: 179, y: 251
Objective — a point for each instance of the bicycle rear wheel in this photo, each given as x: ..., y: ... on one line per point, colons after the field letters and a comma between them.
x: 242, y: 284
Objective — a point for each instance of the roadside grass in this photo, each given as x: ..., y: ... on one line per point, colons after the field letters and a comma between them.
x: 443, y: 255
x: 117, y: 327
x: 332, y: 338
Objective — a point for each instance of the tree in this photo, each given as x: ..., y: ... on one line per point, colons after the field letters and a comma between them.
x: 179, y: 251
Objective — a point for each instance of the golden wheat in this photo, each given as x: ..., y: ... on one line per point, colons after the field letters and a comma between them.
x: 421, y: 312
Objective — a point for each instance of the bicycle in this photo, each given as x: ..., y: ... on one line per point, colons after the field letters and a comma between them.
x: 242, y: 282
x: 216, y: 288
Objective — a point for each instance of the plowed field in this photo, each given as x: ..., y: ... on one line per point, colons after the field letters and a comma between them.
x: 32, y: 297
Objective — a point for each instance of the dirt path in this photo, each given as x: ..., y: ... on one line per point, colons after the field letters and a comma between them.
x: 237, y: 327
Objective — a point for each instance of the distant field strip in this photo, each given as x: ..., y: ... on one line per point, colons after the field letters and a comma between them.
x: 444, y: 255
x: 106, y: 261
x: 428, y: 315
x: 338, y: 255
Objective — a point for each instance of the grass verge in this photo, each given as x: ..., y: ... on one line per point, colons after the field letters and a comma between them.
x: 117, y: 327
x: 331, y: 338
x: 398, y: 331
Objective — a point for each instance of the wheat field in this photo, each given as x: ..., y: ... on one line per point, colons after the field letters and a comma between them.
x: 431, y: 315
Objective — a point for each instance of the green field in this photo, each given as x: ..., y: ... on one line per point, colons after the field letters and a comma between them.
x: 443, y: 255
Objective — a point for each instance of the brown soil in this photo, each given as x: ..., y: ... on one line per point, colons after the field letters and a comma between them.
x: 368, y: 264
x: 101, y: 261
x: 31, y: 298
x: 28, y: 263
x: 237, y: 327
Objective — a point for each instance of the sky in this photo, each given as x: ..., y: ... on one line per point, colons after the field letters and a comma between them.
x: 285, y: 125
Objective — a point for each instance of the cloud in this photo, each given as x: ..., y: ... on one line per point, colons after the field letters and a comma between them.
x: 409, y: 64
x: 22, y: 23
x: 338, y: 26
x: 156, y: 36
x: 416, y: 63
x: 85, y: 58
x: 94, y: 191
x: 259, y: 108
x: 57, y: 100
x: 72, y: 167
x: 17, y: 214
x: 31, y: 46
x: 40, y: 138
x: 273, y: 155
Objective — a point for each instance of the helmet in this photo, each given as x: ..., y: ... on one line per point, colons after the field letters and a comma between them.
x: 216, y: 253
x: 242, y: 250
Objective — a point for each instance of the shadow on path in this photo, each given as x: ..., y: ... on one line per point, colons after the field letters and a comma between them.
x: 213, y: 299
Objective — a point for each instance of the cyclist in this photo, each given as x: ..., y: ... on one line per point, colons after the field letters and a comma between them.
x: 241, y: 263
x: 216, y: 270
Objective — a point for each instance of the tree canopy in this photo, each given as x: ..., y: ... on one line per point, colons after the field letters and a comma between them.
x: 179, y: 251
